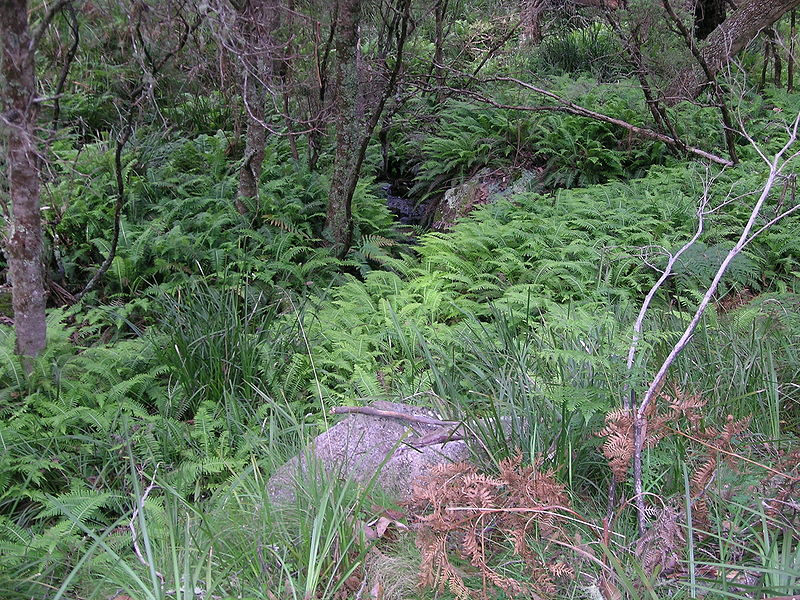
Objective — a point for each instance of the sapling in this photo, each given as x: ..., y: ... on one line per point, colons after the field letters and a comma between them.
x: 777, y: 165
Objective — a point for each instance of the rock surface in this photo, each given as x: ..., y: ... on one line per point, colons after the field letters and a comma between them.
x: 359, y: 446
x: 482, y: 188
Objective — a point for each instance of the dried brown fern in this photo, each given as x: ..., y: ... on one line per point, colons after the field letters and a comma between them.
x: 670, y: 410
x: 459, y: 511
x: 661, y: 547
x: 618, y: 445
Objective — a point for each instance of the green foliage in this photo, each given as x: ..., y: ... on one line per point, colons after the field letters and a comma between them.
x: 592, y: 49
x: 218, y: 346
x: 245, y: 329
x: 697, y: 266
x: 197, y: 114
x: 465, y: 140
x: 180, y: 223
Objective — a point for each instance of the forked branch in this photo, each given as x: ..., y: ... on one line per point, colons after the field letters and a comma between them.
x: 776, y: 167
x: 637, y: 327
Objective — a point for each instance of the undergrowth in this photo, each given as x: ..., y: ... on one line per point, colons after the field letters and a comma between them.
x: 137, y: 454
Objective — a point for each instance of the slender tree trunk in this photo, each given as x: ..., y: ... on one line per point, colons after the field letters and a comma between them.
x: 440, y: 12
x: 777, y: 72
x: 318, y: 99
x: 790, y: 61
x: 258, y: 21
x: 286, y: 82
x: 349, y: 129
x: 726, y: 41
x: 765, y: 65
x: 357, y: 113
x: 23, y: 242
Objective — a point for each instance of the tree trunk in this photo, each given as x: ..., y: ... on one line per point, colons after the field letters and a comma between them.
x: 356, y: 112
x: 790, y: 61
x: 258, y: 20
x: 350, y: 134
x: 531, y: 18
x: 23, y: 243
x: 708, y: 15
x: 440, y: 13
x: 726, y: 41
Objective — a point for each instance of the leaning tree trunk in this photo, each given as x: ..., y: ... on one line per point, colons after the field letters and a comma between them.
x: 258, y: 21
x: 23, y: 242
x: 350, y: 130
x: 726, y: 41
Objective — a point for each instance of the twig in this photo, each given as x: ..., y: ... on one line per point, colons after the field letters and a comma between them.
x: 727, y: 122
x: 134, y: 535
x: 633, y: 47
x: 51, y: 12
x: 392, y: 414
x: 112, y: 252
x: 733, y: 454
x: 62, y: 78
x: 637, y: 327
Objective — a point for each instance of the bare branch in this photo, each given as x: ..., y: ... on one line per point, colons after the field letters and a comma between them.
x: 112, y: 252
x: 48, y: 17
x: 772, y: 222
x: 637, y: 327
x: 727, y: 122
x: 62, y: 78
x: 777, y: 164
x: 391, y: 414
x: 564, y: 105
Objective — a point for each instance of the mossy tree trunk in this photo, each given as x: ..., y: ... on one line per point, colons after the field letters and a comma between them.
x: 356, y: 111
x: 257, y: 22
x: 23, y: 240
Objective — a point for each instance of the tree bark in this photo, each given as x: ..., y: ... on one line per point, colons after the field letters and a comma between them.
x: 726, y: 41
x: 23, y: 242
x: 356, y: 113
x: 531, y: 17
x: 258, y: 20
x: 790, y: 61
x: 349, y: 130
x: 440, y: 12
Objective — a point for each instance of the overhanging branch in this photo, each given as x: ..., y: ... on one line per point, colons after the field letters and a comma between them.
x: 567, y: 106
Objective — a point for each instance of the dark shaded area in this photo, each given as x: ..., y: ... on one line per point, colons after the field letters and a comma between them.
x: 708, y: 15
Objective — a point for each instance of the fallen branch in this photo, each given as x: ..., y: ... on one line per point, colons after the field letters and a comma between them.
x: 448, y: 430
x: 564, y: 105
x: 392, y: 414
